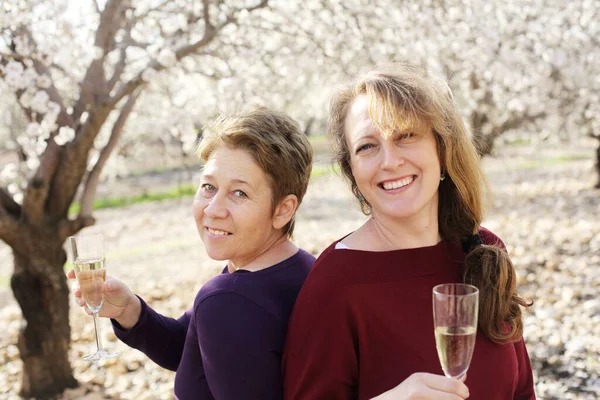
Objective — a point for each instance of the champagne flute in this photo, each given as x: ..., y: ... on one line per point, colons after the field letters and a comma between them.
x: 87, y: 252
x: 455, y: 312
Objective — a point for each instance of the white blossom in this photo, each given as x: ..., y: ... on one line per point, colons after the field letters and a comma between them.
x: 26, y: 98
x: 98, y: 53
x: 18, y: 197
x: 59, y: 140
x: 8, y: 172
x: 29, y: 77
x: 32, y: 163
x: 14, y: 80
x: 13, y: 67
x: 65, y: 134
x: 33, y: 130
x: 167, y: 58
x: 22, y: 46
x: 53, y: 108
x: 39, y: 102
x: 148, y: 74
x: 44, y: 81
x: 13, y: 188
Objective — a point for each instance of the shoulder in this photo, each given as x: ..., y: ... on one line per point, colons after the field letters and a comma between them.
x: 219, y: 284
x: 228, y: 305
x: 490, y: 238
x: 333, y: 274
x: 302, y: 261
x: 221, y: 317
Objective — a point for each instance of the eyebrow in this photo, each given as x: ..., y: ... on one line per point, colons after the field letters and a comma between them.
x: 236, y: 180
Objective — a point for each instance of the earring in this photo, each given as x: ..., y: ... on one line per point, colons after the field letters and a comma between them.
x: 443, y: 176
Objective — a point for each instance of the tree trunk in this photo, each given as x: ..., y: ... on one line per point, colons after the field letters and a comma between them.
x: 598, y: 164
x: 39, y: 285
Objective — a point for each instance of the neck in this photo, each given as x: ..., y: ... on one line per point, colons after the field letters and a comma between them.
x: 397, y: 235
x: 275, y: 252
x: 383, y: 233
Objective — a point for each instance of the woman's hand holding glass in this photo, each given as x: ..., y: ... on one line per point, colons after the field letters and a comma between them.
x: 119, y: 302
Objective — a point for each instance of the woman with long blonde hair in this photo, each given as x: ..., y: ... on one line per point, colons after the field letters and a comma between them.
x: 362, y: 326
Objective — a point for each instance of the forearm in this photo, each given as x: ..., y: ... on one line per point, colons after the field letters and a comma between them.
x: 160, y: 338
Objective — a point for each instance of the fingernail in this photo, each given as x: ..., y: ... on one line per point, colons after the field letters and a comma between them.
x: 108, y: 286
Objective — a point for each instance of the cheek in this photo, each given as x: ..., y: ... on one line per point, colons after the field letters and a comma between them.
x: 198, y: 207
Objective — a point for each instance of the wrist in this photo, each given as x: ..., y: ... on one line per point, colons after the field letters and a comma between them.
x: 131, y: 313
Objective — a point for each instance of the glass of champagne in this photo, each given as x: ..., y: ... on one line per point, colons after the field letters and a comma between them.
x: 455, y: 312
x: 87, y: 252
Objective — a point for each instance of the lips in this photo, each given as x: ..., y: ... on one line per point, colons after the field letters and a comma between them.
x: 398, y: 183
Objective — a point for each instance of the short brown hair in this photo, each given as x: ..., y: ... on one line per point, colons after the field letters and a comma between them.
x: 274, y: 141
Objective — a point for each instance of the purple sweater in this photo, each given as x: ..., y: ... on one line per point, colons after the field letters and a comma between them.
x: 229, y: 344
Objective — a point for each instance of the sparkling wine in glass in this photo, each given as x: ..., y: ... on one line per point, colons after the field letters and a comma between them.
x: 87, y: 252
x: 455, y: 312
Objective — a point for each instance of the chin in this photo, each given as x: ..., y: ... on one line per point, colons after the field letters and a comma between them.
x: 216, y: 255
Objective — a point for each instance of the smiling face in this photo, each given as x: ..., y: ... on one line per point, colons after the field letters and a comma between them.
x: 233, y: 209
x: 398, y: 173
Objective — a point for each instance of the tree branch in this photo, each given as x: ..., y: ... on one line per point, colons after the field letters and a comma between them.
x: 9, y: 204
x: 10, y: 213
x: 72, y: 163
x: 91, y: 184
x: 94, y: 82
x: 8, y: 228
x: 37, y: 189
x: 67, y: 227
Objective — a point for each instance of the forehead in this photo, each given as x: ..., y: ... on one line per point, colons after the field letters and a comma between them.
x: 229, y: 163
x: 359, y: 121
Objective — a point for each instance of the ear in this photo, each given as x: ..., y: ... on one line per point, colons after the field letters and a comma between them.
x: 285, y: 211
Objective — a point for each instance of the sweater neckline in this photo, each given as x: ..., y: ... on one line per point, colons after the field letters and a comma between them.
x: 400, y: 263
x: 439, y: 245
x: 268, y: 270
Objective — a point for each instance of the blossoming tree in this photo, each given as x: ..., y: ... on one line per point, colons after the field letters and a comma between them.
x: 72, y: 83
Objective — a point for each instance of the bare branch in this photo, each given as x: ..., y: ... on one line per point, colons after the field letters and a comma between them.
x: 182, y: 52
x: 10, y: 213
x: 89, y: 192
x: 72, y: 163
x: 262, y: 4
x: 120, y: 66
x: 94, y: 82
x: 206, y: 13
x: 96, y: 6
x: 8, y: 228
x: 68, y: 227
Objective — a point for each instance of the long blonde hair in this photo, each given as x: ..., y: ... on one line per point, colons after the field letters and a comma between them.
x: 406, y: 92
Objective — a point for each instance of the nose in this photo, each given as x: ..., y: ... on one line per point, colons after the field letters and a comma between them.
x: 392, y: 156
x: 216, y: 207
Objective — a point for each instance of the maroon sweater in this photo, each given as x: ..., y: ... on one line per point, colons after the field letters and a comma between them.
x: 363, y: 323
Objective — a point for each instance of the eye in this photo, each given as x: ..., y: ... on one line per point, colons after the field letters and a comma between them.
x: 239, y: 193
x: 406, y: 135
x: 207, y: 187
x: 364, y: 147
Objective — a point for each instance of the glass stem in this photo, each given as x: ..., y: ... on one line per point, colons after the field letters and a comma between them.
x: 98, y: 332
